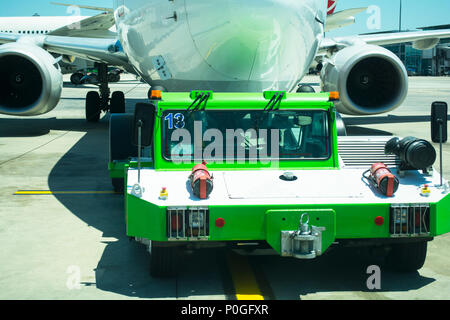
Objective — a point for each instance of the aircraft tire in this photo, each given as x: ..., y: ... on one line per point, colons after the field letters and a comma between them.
x: 76, y: 78
x: 117, y: 104
x: 113, y: 77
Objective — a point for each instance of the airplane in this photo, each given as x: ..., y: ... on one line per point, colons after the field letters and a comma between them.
x: 62, y: 25
x: 55, y: 25
x: 227, y: 45
x: 336, y: 20
x: 99, y: 26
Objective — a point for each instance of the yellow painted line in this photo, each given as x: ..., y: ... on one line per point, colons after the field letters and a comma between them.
x: 244, y: 280
x: 47, y: 192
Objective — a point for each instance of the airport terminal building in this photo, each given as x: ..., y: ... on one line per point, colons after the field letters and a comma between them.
x: 433, y: 62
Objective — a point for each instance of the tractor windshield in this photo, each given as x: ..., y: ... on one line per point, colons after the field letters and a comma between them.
x: 219, y: 135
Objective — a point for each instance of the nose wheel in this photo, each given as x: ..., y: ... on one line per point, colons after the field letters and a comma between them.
x: 103, y: 100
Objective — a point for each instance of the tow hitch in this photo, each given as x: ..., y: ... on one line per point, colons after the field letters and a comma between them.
x: 304, y: 243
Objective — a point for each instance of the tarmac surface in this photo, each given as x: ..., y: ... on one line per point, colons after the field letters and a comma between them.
x: 68, y: 245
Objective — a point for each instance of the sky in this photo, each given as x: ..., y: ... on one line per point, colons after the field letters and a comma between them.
x: 383, y: 15
x: 13, y: 8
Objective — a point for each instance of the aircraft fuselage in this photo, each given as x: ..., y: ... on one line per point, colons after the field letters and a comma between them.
x: 226, y: 45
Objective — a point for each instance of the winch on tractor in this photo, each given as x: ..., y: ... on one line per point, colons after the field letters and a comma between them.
x: 273, y: 169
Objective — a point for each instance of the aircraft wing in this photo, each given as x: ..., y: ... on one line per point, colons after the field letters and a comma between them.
x: 94, y: 49
x: 93, y: 27
x: 83, y: 7
x: 401, y: 37
x: 8, y: 37
x: 421, y: 39
x: 342, y: 18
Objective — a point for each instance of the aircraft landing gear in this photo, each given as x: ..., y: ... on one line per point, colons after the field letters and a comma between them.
x: 96, y: 102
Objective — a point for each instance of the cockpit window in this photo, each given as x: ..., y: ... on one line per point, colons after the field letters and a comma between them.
x: 226, y: 135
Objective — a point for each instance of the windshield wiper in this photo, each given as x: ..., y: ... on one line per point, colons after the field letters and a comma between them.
x: 201, y: 99
x: 195, y: 103
x: 274, y: 102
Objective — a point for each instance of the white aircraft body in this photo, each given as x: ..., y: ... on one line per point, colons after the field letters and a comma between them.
x: 99, y: 26
x: 226, y: 45
x: 221, y: 45
x: 60, y: 25
x: 36, y: 24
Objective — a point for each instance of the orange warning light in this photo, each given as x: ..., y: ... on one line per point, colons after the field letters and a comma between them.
x: 156, y: 95
x: 334, y: 95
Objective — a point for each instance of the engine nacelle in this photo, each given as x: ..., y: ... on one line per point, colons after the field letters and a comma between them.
x: 370, y: 80
x: 30, y: 80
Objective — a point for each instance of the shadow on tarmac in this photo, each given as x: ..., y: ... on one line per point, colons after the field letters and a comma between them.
x: 339, y: 270
x: 353, y: 124
x: 352, y: 121
x: 28, y: 127
x: 123, y: 267
x: 12, y: 127
x: 68, y: 84
x: 361, y: 131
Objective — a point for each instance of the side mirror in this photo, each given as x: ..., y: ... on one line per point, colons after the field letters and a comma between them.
x: 144, y: 117
x: 439, y: 117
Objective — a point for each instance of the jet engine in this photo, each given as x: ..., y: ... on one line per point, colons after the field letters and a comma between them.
x: 30, y: 80
x: 370, y: 80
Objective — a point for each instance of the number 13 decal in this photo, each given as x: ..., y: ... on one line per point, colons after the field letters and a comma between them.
x: 175, y: 121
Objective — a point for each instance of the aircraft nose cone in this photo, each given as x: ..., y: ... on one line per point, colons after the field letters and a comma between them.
x: 250, y: 40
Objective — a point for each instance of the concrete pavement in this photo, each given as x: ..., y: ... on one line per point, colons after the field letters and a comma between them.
x: 68, y: 246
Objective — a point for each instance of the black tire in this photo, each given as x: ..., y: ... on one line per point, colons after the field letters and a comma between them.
x: 76, y: 78
x: 407, y: 257
x: 117, y: 104
x: 305, y: 89
x: 120, y: 143
x: 340, y: 125
x: 118, y: 185
x: 120, y: 137
x: 93, y: 106
x: 162, y: 261
x: 113, y: 77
